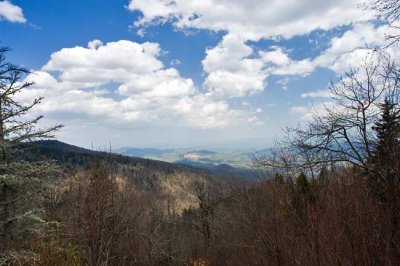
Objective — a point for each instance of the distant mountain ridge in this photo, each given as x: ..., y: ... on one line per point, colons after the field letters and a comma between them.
x: 74, y: 155
x: 205, y: 152
x: 141, y: 152
x: 149, y: 152
x: 221, y: 169
x: 65, y: 153
x: 211, y: 161
x: 236, y: 158
x: 167, y: 181
x: 55, y: 144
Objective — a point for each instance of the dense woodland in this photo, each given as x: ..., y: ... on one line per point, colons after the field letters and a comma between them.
x: 329, y: 192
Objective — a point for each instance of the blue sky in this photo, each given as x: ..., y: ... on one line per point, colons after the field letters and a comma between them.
x: 200, y: 73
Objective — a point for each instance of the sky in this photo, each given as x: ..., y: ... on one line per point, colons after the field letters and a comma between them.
x: 178, y: 73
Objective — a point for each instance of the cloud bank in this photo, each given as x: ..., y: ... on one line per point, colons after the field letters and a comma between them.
x: 125, y: 82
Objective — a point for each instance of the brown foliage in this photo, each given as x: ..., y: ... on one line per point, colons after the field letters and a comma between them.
x: 277, y: 224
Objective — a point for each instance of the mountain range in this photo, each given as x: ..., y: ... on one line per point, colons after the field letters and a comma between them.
x: 173, y: 182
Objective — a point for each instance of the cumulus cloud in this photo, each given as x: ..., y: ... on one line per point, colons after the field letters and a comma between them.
x: 348, y: 50
x: 235, y: 69
x: 276, y: 57
x: 251, y: 19
x: 283, y: 65
x: 125, y: 82
x: 344, y: 52
x: 202, y: 111
x: 231, y: 72
x: 98, y: 64
x: 11, y: 12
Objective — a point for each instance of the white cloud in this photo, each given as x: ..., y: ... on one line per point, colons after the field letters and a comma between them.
x: 345, y: 52
x: 251, y: 19
x: 95, y: 44
x: 276, y: 57
x: 317, y: 94
x: 162, y: 83
x: 116, y: 61
x: 202, y: 111
x: 11, y: 12
x: 348, y: 50
x: 302, y: 67
x: 233, y: 68
x: 231, y: 71
x: 346, y: 61
x: 279, y: 63
x: 124, y: 82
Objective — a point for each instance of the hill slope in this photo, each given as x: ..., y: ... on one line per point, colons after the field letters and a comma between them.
x: 166, y: 180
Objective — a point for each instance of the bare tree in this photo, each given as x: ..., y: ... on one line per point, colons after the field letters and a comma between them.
x: 388, y: 11
x: 342, y: 131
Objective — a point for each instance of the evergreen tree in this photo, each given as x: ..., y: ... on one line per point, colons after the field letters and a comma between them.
x: 303, y: 185
x: 21, y: 183
x: 384, y: 176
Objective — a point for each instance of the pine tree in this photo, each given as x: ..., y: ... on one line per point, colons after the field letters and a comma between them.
x: 22, y: 184
x: 384, y: 176
x: 303, y: 184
